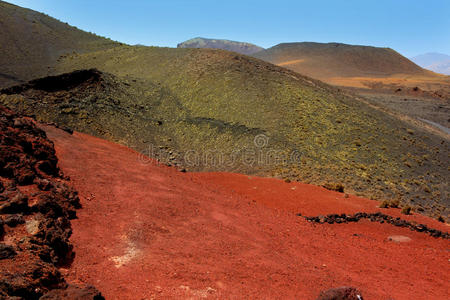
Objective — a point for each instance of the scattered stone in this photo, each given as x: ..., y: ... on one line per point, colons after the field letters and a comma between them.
x: 380, y: 218
x: 67, y: 129
x: 390, y: 204
x: 334, y: 187
x: 32, y: 226
x: 341, y: 293
x: 406, y: 210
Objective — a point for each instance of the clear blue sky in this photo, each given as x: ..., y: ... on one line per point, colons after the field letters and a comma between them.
x: 409, y: 26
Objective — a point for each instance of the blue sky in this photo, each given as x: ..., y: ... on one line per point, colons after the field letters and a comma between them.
x: 409, y: 26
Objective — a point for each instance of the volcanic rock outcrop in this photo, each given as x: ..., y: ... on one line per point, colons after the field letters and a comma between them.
x: 36, y: 206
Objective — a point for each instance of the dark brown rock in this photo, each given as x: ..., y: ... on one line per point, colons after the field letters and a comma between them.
x: 16, y: 204
x: 341, y: 293
x: 334, y: 187
x: 74, y: 293
x: 7, y: 251
x: 30, y: 263
x: 14, y: 220
x: 377, y: 217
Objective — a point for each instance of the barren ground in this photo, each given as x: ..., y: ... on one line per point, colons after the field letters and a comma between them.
x: 148, y: 231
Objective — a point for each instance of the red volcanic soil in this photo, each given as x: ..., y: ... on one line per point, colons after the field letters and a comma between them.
x: 148, y: 231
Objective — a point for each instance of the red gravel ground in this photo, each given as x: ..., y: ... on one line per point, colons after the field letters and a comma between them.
x: 148, y: 231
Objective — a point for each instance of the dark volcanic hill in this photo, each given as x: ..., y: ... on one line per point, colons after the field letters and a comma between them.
x: 32, y: 42
x: 324, y: 60
x: 239, y: 47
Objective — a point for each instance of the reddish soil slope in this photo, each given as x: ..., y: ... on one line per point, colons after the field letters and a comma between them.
x: 148, y: 231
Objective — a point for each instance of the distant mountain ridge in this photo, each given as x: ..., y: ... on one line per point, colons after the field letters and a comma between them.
x: 436, y: 62
x: 239, y: 47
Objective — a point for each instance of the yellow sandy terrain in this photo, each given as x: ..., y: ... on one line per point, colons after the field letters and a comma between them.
x: 434, y: 82
x: 428, y: 81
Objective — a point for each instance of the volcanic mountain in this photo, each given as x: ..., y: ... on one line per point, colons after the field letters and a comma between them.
x: 350, y: 65
x: 214, y: 110
x: 239, y: 47
x: 323, y: 60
